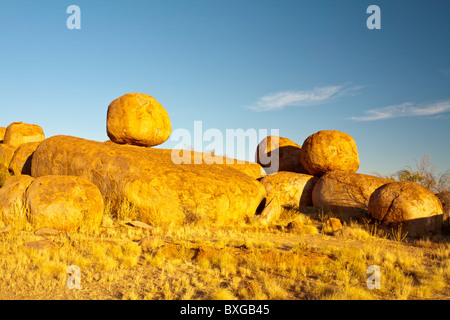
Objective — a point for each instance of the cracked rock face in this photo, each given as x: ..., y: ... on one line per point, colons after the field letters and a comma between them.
x: 276, y: 154
x: 408, y: 204
x: 162, y: 191
x: 346, y: 194
x: 138, y: 119
x: 329, y: 150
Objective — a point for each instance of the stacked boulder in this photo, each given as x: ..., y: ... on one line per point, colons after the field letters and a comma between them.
x: 128, y: 169
x: 330, y: 161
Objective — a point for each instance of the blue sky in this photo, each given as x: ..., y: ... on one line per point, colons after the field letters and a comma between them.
x: 296, y: 66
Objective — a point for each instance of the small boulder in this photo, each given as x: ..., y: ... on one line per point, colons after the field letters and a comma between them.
x: 21, y: 161
x: 408, y: 204
x: 12, y: 207
x: 276, y: 154
x: 334, y: 224
x: 138, y: 119
x: 293, y: 190
x: 64, y: 203
x: 329, y: 150
x: 18, y: 133
x: 294, y: 226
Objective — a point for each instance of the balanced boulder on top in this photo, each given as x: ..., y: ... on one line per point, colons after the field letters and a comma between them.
x: 138, y: 119
x: 329, y: 150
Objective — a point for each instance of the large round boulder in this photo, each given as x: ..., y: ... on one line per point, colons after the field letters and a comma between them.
x: 276, y: 154
x: 329, y: 150
x: 138, y: 119
x: 409, y: 205
x: 293, y: 190
x: 12, y: 206
x: 345, y: 194
x: 64, y: 203
x: 21, y: 161
x: 18, y: 133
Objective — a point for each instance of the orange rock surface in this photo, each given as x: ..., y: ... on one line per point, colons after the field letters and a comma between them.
x: 138, y: 119
x: 329, y: 150
x: 18, y: 133
x: 279, y: 154
x: 408, y: 204
x: 162, y: 191
x: 64, y: 203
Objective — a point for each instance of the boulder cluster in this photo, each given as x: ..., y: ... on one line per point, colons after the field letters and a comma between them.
x: 64, y: 182
x: 323, y: 173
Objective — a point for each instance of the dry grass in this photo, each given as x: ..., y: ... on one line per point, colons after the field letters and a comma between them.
x: 245, y: 261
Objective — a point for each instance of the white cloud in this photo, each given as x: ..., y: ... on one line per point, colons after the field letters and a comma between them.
x: 445, y: 72
x: 406, y: 109
x: 279, y: 100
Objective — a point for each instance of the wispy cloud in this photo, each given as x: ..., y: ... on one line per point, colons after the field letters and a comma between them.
x: 318, y: 95
x: 407, y: 109
x: 445, y: 72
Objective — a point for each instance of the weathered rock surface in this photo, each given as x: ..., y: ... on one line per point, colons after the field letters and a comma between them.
x: 345, y: 194
x: 329, y: 150
x: 64, y: 203
x: 276, y: 154
x: 12, y: 195
x: 21, y: 161
x: 444, y: 197
x: 138, y: 119
x: 293, y: 190
x: 252, y: 169
x: 18, y: 133
x: 2, y: 133
x: 408, y: 204
x: 162, y: 192
x: 6, y: 155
